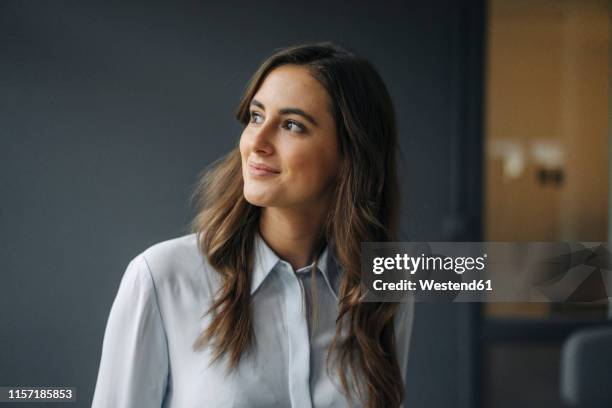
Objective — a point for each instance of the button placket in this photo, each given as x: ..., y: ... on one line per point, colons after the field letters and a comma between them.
x: 298, y: 339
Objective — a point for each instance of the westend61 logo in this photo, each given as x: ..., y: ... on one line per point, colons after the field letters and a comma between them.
x: 487, y: 271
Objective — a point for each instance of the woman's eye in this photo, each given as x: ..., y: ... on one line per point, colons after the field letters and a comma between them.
x: 256, y: 118
x: 294, y: 126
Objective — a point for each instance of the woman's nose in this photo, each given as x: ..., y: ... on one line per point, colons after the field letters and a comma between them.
x: 263, y: 138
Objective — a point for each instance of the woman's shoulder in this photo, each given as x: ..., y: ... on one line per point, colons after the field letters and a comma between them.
x: 175, y: 259
x: 172, y: 252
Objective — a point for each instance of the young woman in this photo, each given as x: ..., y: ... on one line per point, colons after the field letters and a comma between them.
x: 260, y: 306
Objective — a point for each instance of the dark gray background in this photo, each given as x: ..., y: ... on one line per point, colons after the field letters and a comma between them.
x: 109, y: 111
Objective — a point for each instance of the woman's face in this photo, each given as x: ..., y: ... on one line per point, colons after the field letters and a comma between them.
x: 289, y: 148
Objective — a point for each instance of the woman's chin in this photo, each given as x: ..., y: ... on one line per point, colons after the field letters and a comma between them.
x: 259, y: 199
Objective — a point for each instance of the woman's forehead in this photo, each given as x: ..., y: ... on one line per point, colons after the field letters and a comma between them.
x: 294, y: 86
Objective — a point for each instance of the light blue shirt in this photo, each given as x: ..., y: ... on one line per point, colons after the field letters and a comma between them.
x: 148, y: 358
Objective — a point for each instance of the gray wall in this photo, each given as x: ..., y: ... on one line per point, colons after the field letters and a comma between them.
x: 109, y: 111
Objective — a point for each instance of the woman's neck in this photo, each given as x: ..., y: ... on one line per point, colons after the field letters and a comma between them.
x: 291, y: 234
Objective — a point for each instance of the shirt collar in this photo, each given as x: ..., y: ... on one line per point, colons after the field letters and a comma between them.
x: 265, y: 260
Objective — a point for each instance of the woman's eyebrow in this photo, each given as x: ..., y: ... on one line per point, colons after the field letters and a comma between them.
x: 286, y: 111
x: 297, y: 111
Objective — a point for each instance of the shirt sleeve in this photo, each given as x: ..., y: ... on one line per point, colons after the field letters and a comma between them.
x: 134, y: 364
x: 403, y: 333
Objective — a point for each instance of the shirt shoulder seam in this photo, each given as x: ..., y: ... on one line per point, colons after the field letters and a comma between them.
x: 156, y: 301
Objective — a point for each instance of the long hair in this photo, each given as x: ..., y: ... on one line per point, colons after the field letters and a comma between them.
x: 364, y: 208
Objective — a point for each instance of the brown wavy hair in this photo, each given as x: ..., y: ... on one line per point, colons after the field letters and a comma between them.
x: 364, y: 208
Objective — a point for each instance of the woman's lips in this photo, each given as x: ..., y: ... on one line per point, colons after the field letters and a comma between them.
x: 262, y: 170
